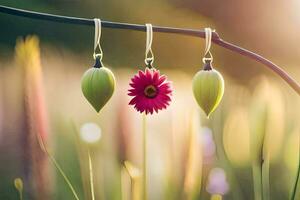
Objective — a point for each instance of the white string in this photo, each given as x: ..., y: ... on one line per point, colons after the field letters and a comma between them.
x: 208, y: 34
x: 208, y: 37
x: 149, y: 39
x: 97, y: 39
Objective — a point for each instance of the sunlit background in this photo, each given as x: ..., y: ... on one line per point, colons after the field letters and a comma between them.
x: 189, y: 156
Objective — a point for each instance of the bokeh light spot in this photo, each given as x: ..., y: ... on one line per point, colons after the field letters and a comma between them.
x: 90, y: 132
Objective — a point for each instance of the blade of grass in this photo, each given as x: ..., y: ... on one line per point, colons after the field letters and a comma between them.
x: 124, y: 185
x: 57, y: 166
x: 258, y: 150
x: 134, y: 175
x: 193, y: 167
x: 297, y: 180
x: 266, y: 169
x: 296, y: 185
x: 91, y: 175
x: 257, y: 182
x: 81, y: 151
x: 261, y: 171
x: 266, y: 179
x: 223, y: 160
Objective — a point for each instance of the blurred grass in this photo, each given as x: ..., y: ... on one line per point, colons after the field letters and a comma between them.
x: 177, y: 139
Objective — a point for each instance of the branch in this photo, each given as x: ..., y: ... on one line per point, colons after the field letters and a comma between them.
x: 190, y: 32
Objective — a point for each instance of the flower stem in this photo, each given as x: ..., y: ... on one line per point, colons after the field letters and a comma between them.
x: 144, y: 123
x: 21, y: 195
x: 91, y: 175
x: 19, y: 187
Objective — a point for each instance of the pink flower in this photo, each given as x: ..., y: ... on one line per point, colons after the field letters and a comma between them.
x: 150, y: 90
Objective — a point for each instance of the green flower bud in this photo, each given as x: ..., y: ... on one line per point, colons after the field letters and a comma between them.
x: 97, y: 85
x: 208, y: 88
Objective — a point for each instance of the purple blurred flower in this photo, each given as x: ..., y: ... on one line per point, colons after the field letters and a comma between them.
x: 217, y: 183
x: 208, y: 144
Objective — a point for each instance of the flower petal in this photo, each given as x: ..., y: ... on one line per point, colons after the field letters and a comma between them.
x: 143, y: 103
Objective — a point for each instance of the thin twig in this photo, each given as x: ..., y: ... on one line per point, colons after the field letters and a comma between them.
x: 190, y: 32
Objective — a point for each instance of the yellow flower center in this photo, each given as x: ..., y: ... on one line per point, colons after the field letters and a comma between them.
x: 150, y: 91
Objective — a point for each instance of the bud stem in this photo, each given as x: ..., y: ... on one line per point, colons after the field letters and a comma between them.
x: 98, y: 63
x: 207, y: 66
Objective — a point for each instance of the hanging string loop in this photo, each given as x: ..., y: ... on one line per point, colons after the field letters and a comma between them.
x: 149, y: 56
x: 208, y: 37
x: 98, y: 53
